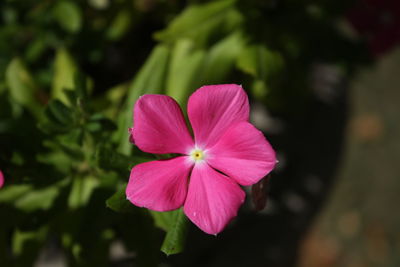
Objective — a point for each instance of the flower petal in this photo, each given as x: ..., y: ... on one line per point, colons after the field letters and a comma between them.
x: 213, y: 109
x: 243, y: 154
x: 159, y: 185
x: 213, y: 199
x: 159, y: 126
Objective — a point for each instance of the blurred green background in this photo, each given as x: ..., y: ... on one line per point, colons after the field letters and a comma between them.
x: 322, y: 79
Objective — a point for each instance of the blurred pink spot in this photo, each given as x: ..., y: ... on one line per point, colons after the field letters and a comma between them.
x: 1, y: 179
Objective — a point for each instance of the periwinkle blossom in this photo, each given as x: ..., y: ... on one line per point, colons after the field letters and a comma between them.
x: 225, y: 152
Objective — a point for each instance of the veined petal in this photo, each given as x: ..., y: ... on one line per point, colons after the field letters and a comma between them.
x: 243, y: 154
x: 213, y: 199
x: 213, y: 109
x: 159, y: 185
x: 159, y: 126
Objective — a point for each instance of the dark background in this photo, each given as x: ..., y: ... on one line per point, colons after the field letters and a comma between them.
x: 322, y: 77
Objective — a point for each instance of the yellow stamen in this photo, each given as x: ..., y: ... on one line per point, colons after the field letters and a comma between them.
x: 197, y: 154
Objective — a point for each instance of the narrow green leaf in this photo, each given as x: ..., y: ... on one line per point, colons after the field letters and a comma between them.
x: 64, y: 72
x: 81, y: 190
x: 174, y: 241
x: 184, y: 70
x: 149, y: 80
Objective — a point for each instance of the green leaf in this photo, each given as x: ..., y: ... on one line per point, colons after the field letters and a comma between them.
x: 262, y: 64
x: 68, y: 16
x: 149, y: 80
x: 119, y: 203
x: 100, y: 124
x: 259, y: 61
x: 82, y: 189
x: 222, y: 57
x: 82, y: 86
x: 11, y: 193
x: 259, y: 89
x: 184, y: 70
x: 164, y: 220
x: 64, y: 75
x: 41, y: 199
x: 59, y: 118
x: 22, y: 87
x: 151, y: 76
x: 35, y: 49
x: 249, y: 59
x: 27, y: 244
x: 120, y: 25
x: 108, y: 158
x: 61, y: 112
x: 197, y: 22
x: 174, y: 241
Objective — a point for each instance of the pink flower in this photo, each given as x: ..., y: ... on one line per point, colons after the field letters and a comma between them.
x: 226, y: 151
x: 1, y: 179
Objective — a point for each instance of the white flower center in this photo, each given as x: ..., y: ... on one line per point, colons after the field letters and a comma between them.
x: 197, y: 155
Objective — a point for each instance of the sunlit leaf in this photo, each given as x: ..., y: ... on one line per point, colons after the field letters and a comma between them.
x: 184, y: 70
x: 22, y: 86
x: 11, y: 193
x: 40, y: 199
x: 149, y: 80
x: 68, y: 15
x: 81, y: 190
x: 64, y: 71
x: 259, y: 61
